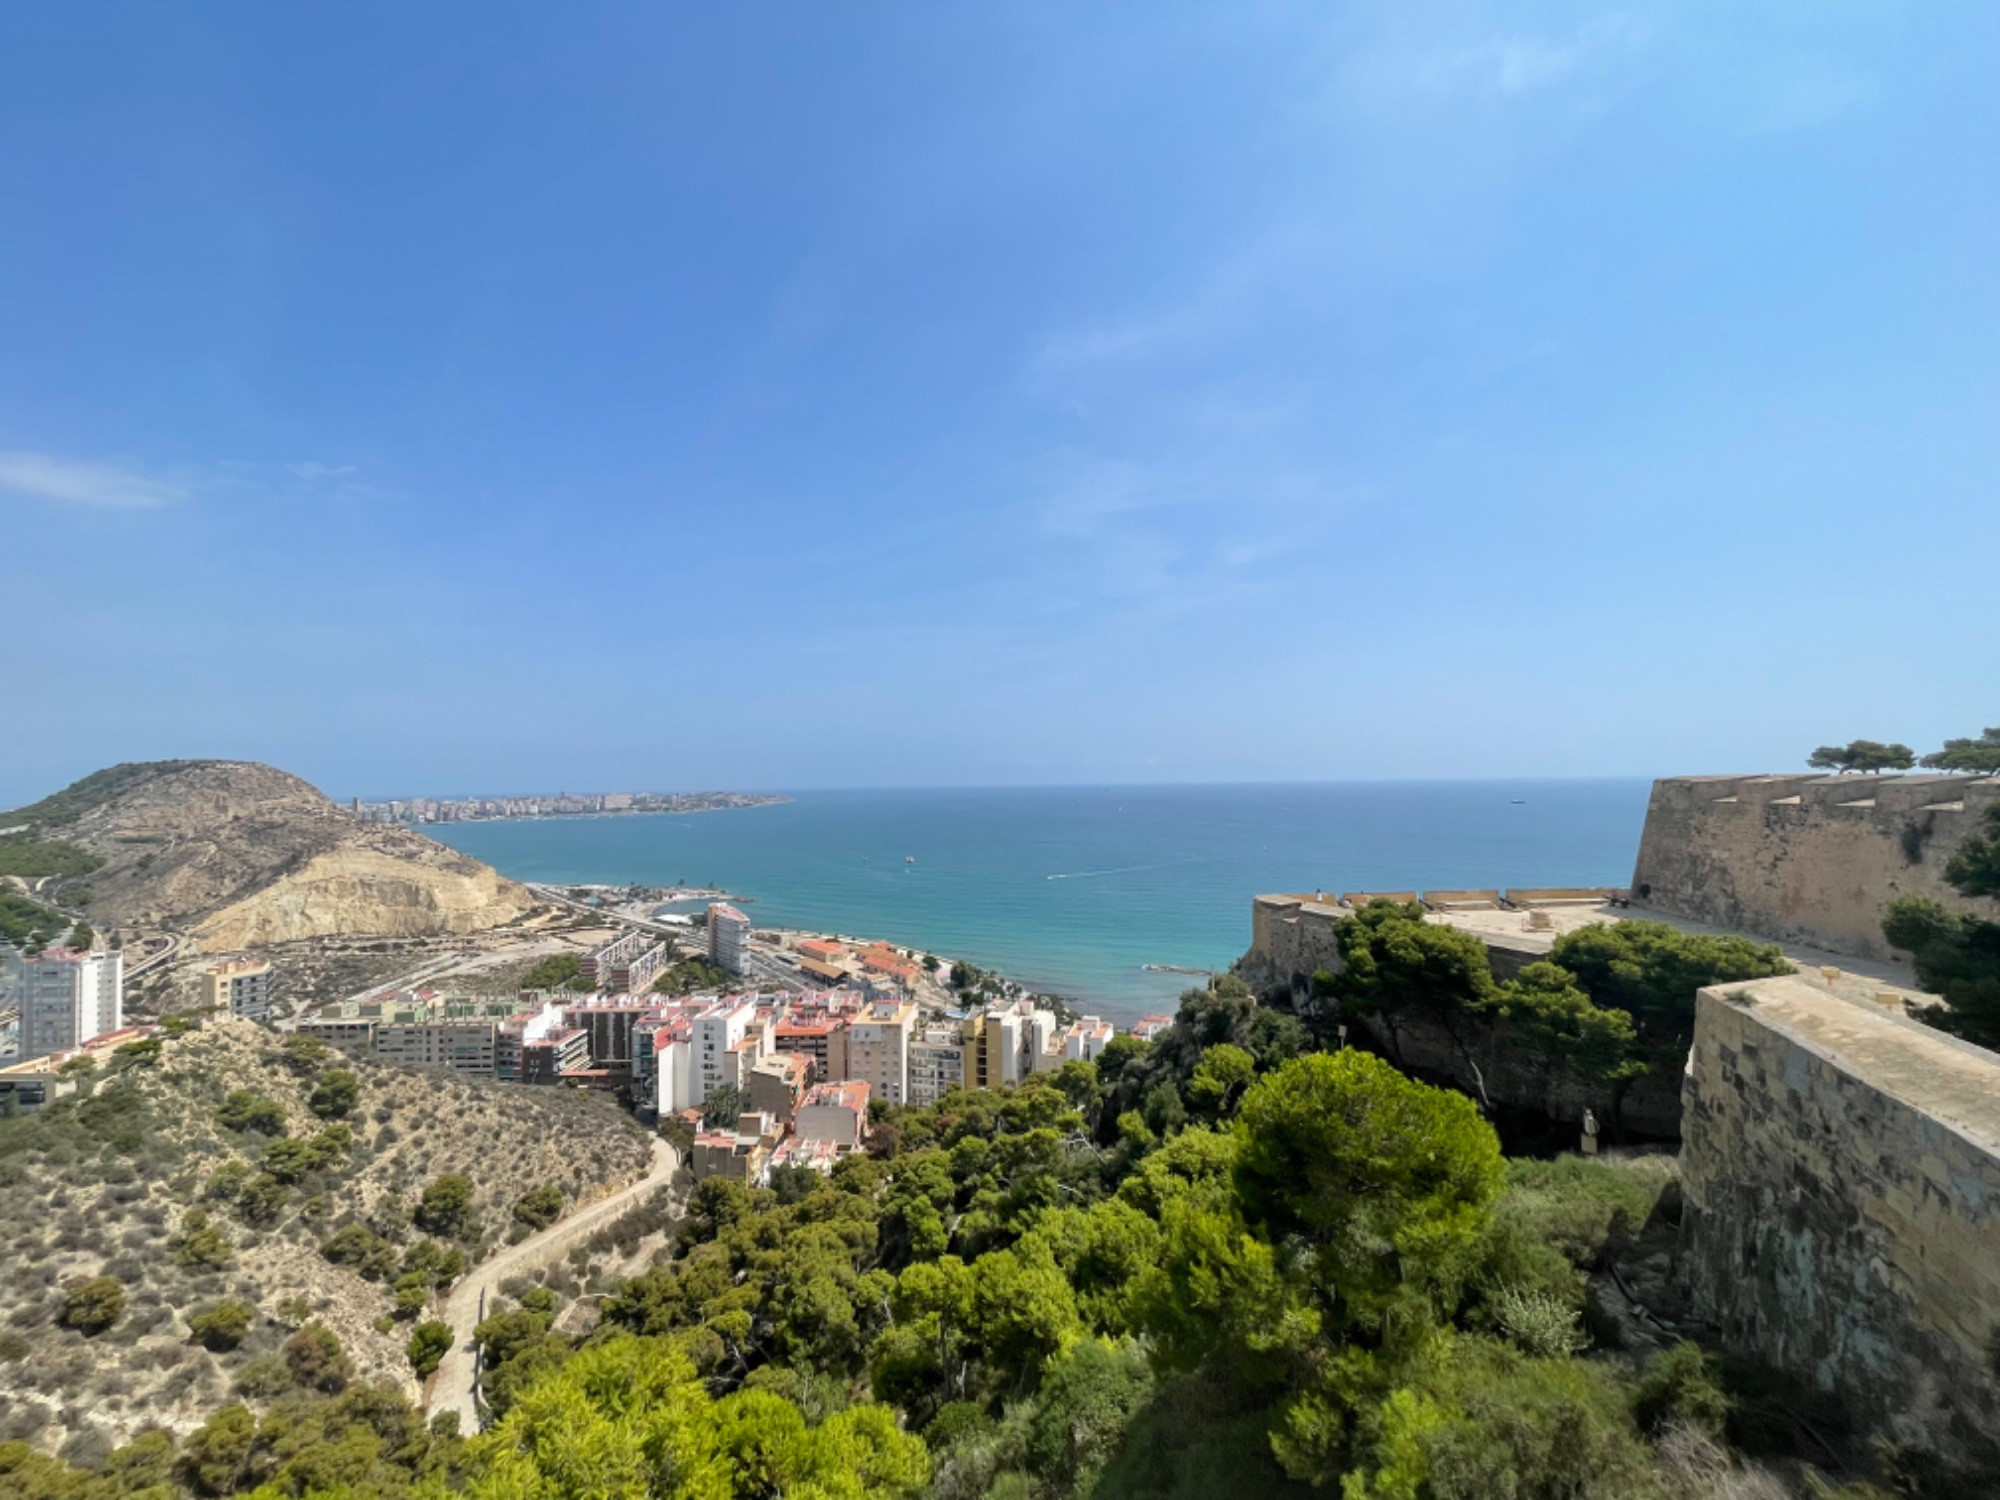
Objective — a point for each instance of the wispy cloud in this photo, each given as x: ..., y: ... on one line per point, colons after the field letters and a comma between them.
x: 107, y: 486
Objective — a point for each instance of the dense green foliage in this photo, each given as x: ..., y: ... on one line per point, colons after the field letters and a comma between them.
x: 1957, y: 955
x: 1612, y: 1000
x: 93, y: 1304
x: 26, y: 924
x: 250, y: 1112
x: 1974, y: 866
x: 684, y: 976
x: 1227, y: 1263
x: 31, y: 857
x: 552, y: 973
x: 539, y: 1207
x: 224, y: 1325
x: 1862, y: 755
x: 1979, y: 756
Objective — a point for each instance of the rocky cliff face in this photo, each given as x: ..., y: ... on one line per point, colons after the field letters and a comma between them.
x: 241, y: 854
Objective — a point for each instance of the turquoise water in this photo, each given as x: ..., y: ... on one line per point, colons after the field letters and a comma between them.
x: 1073, y: 889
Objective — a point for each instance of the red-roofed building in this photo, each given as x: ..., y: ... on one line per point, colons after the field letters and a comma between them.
x: 823, y: 1041
x: 836, y: 1112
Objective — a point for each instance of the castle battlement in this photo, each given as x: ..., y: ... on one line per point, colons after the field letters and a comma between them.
x: 1806, y: 859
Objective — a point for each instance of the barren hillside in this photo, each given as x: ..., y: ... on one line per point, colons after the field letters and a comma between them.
x: 143, y: 1179
x: 243, y: 855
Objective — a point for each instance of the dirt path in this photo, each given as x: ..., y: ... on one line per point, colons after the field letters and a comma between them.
x: 450, y: 1389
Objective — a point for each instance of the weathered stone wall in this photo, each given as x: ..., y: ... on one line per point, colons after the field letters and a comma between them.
x: 1841, y: 1171
x: 1291, y: 939
x: 1805, y: 859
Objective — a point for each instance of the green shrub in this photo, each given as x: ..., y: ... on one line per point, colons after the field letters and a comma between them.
x: 336, y: 1095
x: 1680, y: 1387
x: 92, y: 1305
x: 429, y: 1342
x: 200, y: 1246
x: 251, y: 1113
x: 1579, y: 1206
x: 317, y: 1361
x: 222, y: 1326
x: 539, y: 1207
x: 447, y: 1208
x: 264, y: 1378
x: 361, y: 1250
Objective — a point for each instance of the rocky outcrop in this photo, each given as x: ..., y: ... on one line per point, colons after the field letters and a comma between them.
x: 241, y: 854
x: 365, y: 890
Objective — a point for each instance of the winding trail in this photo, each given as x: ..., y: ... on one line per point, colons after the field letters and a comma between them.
x: 451, y: 1388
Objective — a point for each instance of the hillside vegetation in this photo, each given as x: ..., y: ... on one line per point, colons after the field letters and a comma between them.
x: 207, y: 1218
x: 1227, y: 1264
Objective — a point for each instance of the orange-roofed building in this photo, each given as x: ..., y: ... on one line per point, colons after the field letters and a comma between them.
x: 836, y: 1112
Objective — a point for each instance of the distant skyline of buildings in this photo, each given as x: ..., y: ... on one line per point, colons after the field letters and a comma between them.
x: 413, y: 810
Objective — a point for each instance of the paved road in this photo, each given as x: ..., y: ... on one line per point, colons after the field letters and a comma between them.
x: 450, y: 1389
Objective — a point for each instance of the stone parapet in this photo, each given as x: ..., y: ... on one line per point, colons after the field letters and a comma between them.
x: 1841, y: 1171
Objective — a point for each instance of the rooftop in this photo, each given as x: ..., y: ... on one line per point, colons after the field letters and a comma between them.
x: 853, y: 1094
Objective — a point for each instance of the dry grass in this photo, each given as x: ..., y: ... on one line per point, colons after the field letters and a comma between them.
x: 105, y: 1187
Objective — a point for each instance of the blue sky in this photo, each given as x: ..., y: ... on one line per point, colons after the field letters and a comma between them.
x: 434, y: 398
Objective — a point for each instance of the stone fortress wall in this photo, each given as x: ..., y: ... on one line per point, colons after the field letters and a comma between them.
x: 1840, y: 1166
x: 1806, y: 859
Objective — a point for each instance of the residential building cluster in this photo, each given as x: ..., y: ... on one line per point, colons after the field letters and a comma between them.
x: 804, y: 1066
x: 562, y: 804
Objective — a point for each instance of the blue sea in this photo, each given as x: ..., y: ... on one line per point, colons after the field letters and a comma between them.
x: 1072, y: 890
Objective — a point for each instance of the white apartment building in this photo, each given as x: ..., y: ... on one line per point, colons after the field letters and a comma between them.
x: 716, y: 1035
x: 243, y: 986
x: 67, y: 997
x: 1086, y: 1039
x: 937, y: 1064
x: 728, y: 937
x: 673, y: 1066
x: 878, y: 1048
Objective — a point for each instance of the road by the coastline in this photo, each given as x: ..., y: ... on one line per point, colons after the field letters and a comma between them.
x: 451, y: 1388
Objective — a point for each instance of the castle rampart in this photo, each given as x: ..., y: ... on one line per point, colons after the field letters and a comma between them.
x: 1806, y: 859
x: 1841, y: 1170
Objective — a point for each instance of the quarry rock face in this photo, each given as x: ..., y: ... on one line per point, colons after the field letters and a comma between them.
x: 242, y: 854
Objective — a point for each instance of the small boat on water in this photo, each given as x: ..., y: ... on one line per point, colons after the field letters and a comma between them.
x: 1517, y: 801
x: 909, y: 859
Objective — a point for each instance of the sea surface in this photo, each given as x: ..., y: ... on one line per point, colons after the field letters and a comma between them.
x: 1073, y: 890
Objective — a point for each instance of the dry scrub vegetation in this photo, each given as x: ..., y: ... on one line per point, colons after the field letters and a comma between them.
x: 139, y: 1177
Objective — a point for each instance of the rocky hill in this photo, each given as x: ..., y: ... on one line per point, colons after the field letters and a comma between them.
x: 230, y: 1166
x: 243, y: 855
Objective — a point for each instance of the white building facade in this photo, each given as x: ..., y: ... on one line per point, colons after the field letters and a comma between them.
x: 878, y: 1049
x: 714, y: 1039
x: 728, y: 937
x: 66, y: 998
